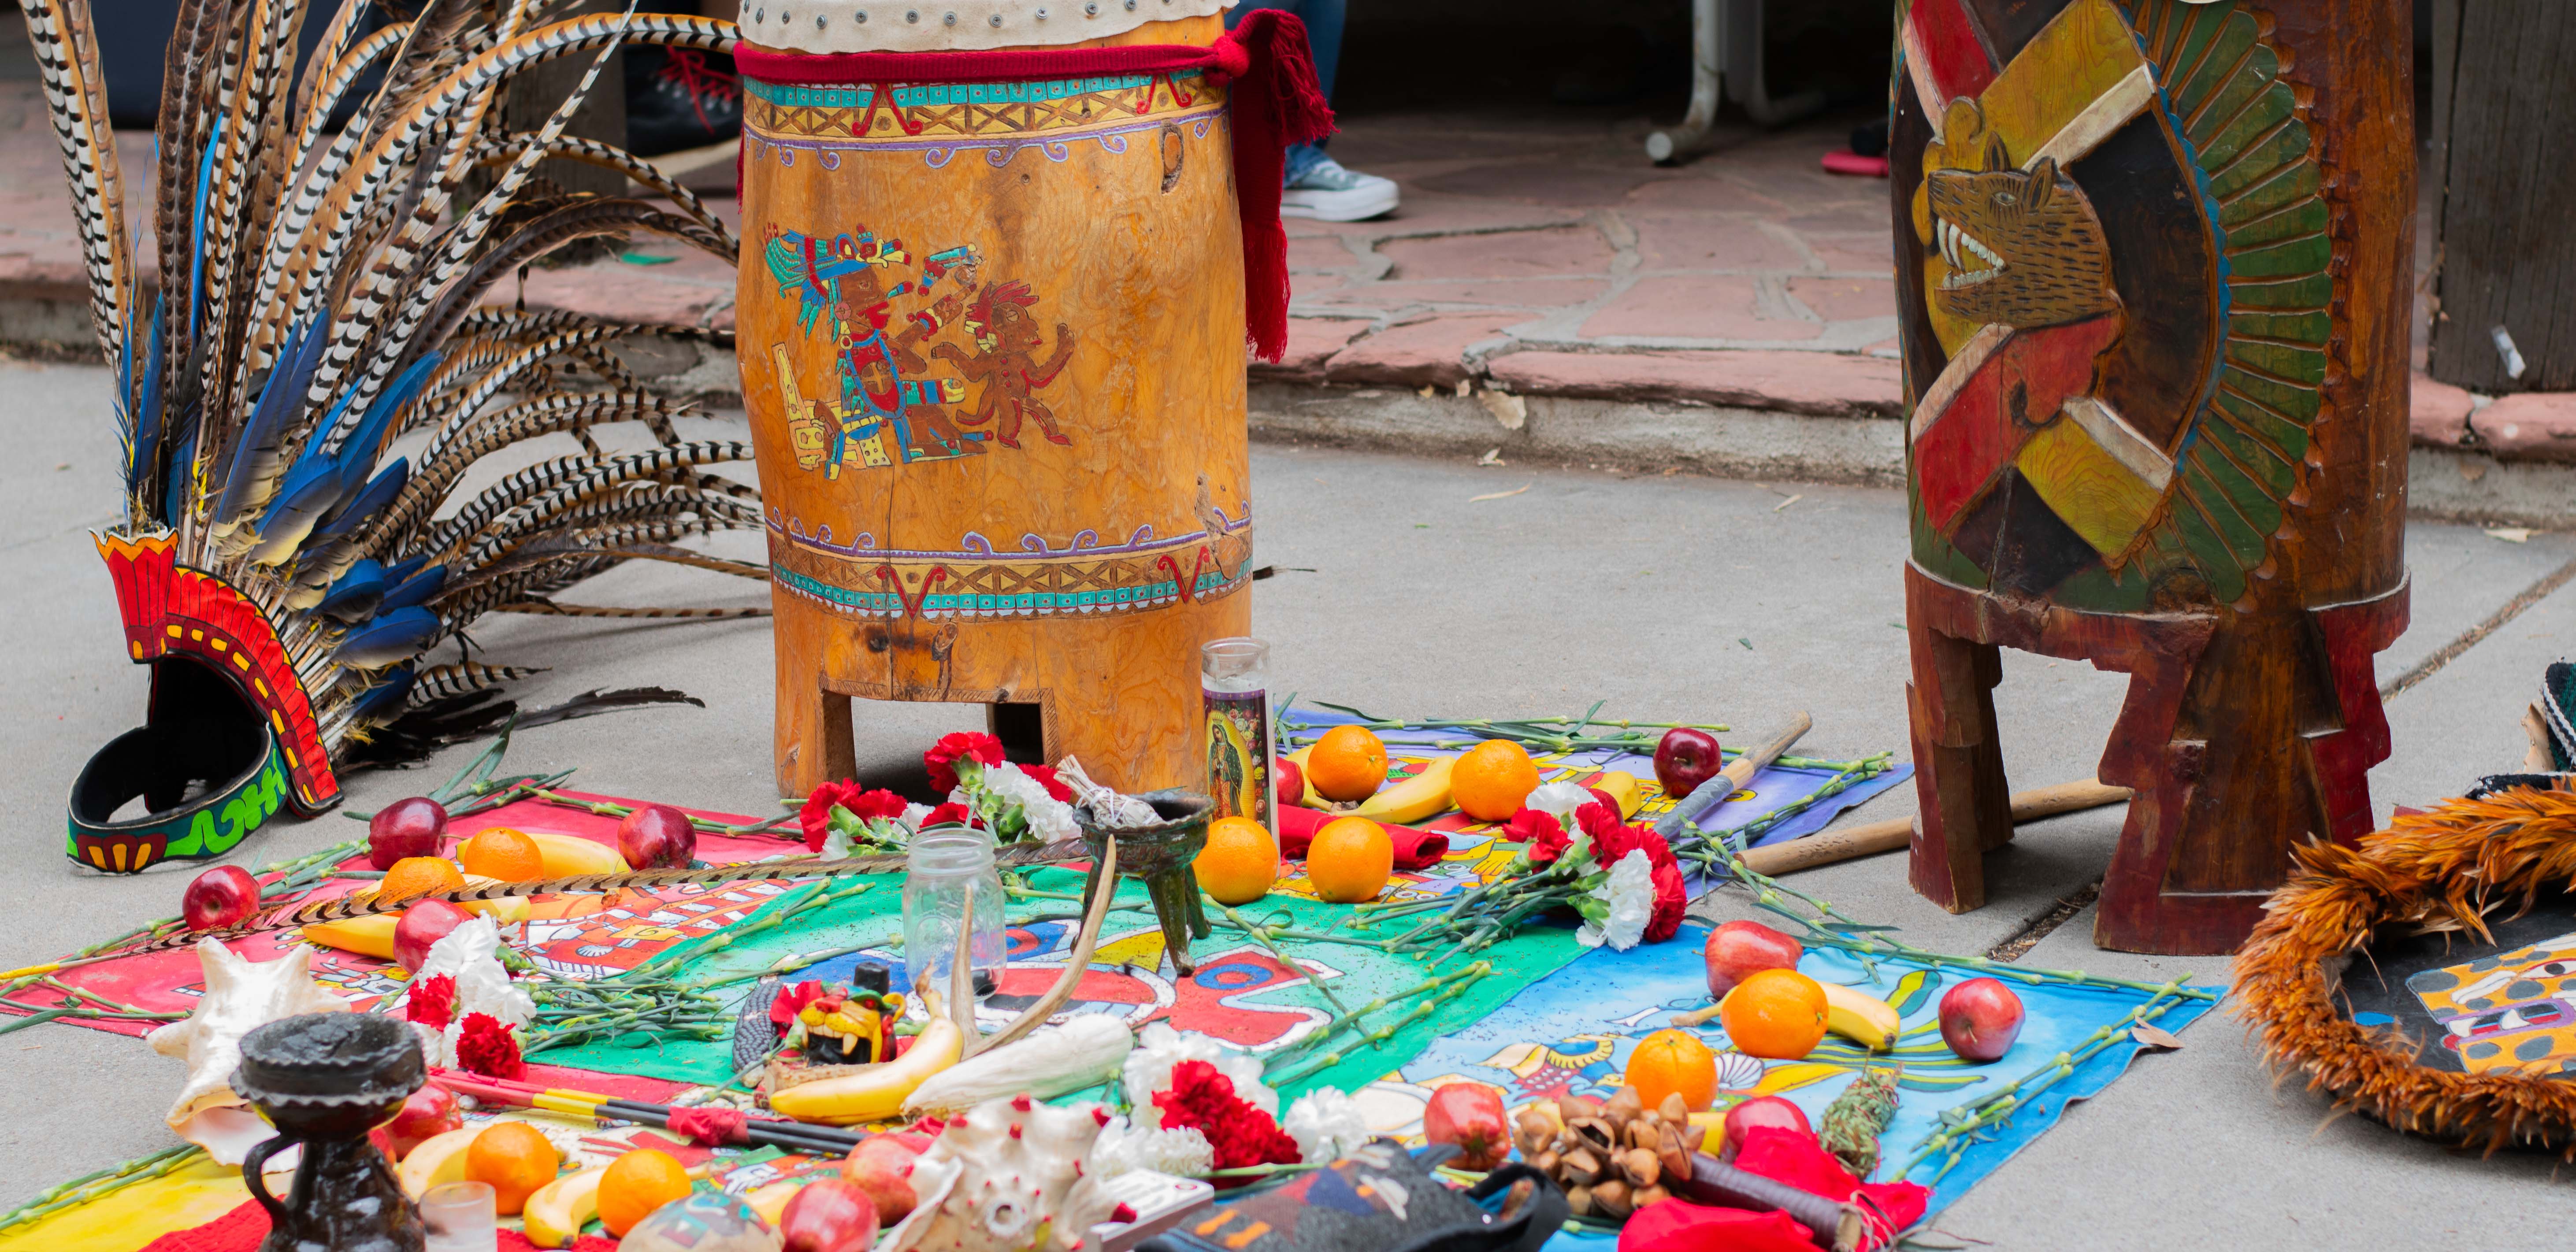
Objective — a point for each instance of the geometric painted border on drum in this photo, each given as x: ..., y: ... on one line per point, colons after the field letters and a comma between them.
x: 1209, y: 585
x: 1056, y: 146
x: 941, y: 120
x: 1083, y: 577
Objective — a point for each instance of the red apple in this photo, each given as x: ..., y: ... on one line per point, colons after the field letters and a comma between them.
x: 1980, y: 1018
x: 1736, y: 950
x: 404, y: 828
x: 220, y: 897
x: 1292, y: 784
x: 422, y: 925
x: 881, y: 1166
x: 1761, y: 1113
x: 1684, y: 759
x: 657, y: 836
x: 829, y: 1216
x: 1469, y: 1114
x: 430, y: 1112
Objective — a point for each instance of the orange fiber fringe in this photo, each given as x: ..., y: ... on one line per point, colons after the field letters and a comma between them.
x: 2442, y: 869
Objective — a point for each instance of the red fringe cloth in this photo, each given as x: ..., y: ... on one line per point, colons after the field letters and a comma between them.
x: 243, y: 1229
x: 710, y: 1127
x: 1414, y: 849
x: 1276, y: 103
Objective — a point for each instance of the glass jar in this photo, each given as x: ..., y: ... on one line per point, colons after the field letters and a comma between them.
x: 945, y: 869
x: 1234, y: 690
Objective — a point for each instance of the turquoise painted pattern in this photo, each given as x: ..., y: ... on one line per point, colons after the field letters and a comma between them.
x: 935, y: 94
x: 1025, y: 604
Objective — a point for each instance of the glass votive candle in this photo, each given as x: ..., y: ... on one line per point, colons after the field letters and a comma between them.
x: 460, y: 1217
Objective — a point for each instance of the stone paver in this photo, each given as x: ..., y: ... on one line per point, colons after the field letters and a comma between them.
x: 2535, y: 425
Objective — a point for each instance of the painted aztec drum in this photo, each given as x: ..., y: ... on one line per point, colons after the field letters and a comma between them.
x: 992, y: 345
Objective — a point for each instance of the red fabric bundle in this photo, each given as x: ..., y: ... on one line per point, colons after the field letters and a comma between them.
x: 244, y: 1228
x: 1414, y: 849
x: 1276, y: 103
x: 1782, y: 1156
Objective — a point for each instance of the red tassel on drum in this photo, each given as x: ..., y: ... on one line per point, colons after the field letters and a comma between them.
x: 1276, y: 102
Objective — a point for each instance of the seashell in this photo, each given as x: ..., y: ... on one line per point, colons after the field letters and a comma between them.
x: 241, y: 996
x: 1007, y: 1176
x: 1738, y: 1072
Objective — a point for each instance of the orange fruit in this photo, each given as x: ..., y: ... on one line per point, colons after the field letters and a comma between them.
x: 636, y: 1184
x: 515, y: 1159
x: 1490, y: 782
x: 502, y: 853
x: 416, y: 876
x: 1775, y: 1013
x: 1670, y: 1062
x: 1349, y: 861
x: 1348, y: 763
x: 1239, y: 862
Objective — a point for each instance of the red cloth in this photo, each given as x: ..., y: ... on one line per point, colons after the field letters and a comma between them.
x: 1276, y: 103
x: 244, y: 1228
x: 710, y: 1127
x: 1414, y: 849
x: 1782, y: 1156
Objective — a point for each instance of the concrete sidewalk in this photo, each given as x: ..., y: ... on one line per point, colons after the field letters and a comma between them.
x: 1667, y: 597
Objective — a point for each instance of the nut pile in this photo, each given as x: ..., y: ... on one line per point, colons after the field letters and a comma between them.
x: 1612, y: 1157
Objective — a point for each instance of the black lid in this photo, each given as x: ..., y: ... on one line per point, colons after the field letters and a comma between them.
x: 872, y: 976
x: 329, y: 1058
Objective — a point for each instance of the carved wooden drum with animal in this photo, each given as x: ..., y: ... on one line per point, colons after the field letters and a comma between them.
x: 992, y: 345
x: 2153, y: 267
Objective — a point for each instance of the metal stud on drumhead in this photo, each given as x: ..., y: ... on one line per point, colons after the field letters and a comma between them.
x: 863, y: 17
x: 997, y: 19
x: 950, y: 19
x: 913, y: 16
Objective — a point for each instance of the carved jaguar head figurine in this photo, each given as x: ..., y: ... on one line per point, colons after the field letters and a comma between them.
x: 2023, y: 247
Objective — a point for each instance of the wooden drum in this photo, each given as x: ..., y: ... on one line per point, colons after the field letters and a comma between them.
x: 2154, y: 260
x: 992, y: 343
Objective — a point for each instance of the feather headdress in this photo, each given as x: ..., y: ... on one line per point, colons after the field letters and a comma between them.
x: 316, y: 298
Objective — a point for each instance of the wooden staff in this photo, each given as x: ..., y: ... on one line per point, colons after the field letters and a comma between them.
x: 1695, y: 807
x: 1711, y: 1181
x: 1831, y: 846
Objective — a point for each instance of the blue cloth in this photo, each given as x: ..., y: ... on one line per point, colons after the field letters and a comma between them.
x: 1323, y: 19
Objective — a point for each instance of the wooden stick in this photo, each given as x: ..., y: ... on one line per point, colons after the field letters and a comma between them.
x: 1711, y: 1181
x: 1696, y: 806
x: 1831, y: 846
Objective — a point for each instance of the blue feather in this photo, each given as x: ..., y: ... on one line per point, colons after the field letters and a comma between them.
x: 147, y: 422
x: 394, y: 637
x: 398, y: 572
x: 354, y: 598
x: 320, y: 482
x: 296, y: 361
x: 359, y: 451
x: 197, y: 262
x: 412, y: 588
x: 177, y: 500
x: 387, y: 694
x: 379, y: 492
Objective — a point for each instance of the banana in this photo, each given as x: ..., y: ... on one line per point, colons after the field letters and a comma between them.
x: 1623, y: 787
x: 372, y: 935
x: 557, y: 1211
x: 1313, y: 798
x: 878, y: 1091
x: 571, y: 856
x: 1419, y: 798
x: 1860, y: 1017
x: 437, y: 1159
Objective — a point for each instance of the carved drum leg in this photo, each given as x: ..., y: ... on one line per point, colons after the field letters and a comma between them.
x: 2152, y: 271
x: 992, y: 346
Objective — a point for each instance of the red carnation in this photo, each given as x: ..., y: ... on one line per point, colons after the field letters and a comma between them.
x: 816, y: 816
x: 1243, y: 1135
x: 433, y: 1002
x: 792, y: 1001
x: 1613, y: 839
x: 943, y: 756
x: 1543, y: 831
x: 1047, y: 778
x: 487, y: 1047
x: 945, y: 815
x: 1672, y: 899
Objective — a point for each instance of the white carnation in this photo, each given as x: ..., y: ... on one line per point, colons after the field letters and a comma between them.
x: 1122, y: 1148
x: 470, y: 954
x: 1630, y: 898
x: 1327, y: 1125
x: 1159, y: 1048
x: 1049, y: 818
x: 1560, y: 799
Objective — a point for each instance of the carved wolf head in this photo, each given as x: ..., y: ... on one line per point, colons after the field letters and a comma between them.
x: 2023, y: 246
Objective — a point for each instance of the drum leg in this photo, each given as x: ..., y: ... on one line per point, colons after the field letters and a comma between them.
x: 1959, y: 774
x: 813, y: 723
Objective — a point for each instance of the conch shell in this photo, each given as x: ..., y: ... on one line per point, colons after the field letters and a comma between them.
x: 241, y: 996
x: 1007, y: 1177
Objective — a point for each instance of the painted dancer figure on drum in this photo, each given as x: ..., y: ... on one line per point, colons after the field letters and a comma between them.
x: 876, y: 394
x: 1007, y: 338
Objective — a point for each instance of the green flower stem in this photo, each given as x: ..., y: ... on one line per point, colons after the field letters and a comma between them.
x: 1345, y: 1021
x: 1263, y: 1171
x: 1379, y: 1036
x: 1263, y: 934
x: 1960, y: 1125
x: 605, y: 808
x: 89, y: 1187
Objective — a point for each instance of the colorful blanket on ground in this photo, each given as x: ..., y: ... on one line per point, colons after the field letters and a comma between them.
x: 1571, y: 1035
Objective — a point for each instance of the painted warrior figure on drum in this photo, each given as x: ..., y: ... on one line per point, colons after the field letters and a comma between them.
x: 1007, y: 336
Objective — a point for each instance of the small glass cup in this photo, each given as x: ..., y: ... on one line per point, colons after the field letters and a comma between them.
x: 459, y: 1217
x: 946, y: 869
x: 1234, y: 690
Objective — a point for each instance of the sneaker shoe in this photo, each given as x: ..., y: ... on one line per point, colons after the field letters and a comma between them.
x: 678, y: 99
x: 1323, y: 190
